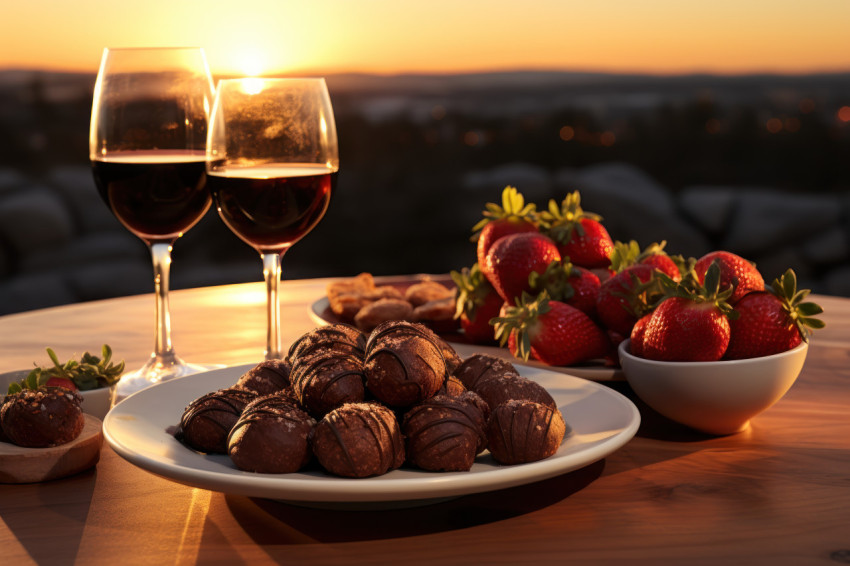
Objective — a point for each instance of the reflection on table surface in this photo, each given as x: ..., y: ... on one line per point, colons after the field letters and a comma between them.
x: 776, y: 493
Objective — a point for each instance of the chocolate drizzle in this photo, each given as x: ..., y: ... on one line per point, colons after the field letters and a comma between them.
x: 404, y: 363
x: 207, y: 420
x: 445, y: 433
x: 339, y: 337
x: 359, y: 440
x: 326, y: 380
x: 272, y: 436
x: 521, y: 431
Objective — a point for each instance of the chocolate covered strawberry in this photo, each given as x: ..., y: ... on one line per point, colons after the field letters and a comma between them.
x: 580, y: 235
x: 477, y: 303
x: 628, y: 254
x: 735, y: 272
x: 626, y: 297
x: 772, y: 321
x: 552, y: 332
x: 513, y: 217
x: 512, y: 259
x: 568, y: 283
x: 691, y: 324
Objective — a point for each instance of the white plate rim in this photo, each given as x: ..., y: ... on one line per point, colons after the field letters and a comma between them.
x: 399, y: 485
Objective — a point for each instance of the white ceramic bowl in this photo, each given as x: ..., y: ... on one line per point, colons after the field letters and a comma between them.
x: 713, y: 397
x: 96, y: 402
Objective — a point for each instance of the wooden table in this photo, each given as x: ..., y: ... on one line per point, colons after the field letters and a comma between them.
x: 777, y: 493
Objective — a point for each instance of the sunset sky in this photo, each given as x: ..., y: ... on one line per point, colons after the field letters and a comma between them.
x: 390, y: 36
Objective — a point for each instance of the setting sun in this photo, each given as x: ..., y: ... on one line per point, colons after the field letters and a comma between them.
x: 256, y: 37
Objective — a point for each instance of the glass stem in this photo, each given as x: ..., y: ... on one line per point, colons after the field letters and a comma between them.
x: 271, y: 274
x: 163, y: 350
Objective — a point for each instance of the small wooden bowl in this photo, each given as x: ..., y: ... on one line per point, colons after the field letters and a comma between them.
x: 31, y: 465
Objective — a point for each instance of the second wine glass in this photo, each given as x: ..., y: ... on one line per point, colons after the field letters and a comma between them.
x: 272, y: 161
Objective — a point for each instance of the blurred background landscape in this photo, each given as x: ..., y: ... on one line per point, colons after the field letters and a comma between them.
x: 705, y: 151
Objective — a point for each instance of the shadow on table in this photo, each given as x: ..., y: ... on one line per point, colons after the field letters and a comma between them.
x: 44, y: 515
x: 274, y: 523
x: 654, y: 425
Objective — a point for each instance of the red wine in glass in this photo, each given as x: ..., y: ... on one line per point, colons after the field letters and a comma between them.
x: 157, y: 195
x: 271, y: 207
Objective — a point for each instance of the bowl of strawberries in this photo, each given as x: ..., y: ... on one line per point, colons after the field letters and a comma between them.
x: 719, y: 347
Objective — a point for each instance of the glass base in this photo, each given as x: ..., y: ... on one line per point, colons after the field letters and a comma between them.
x: 156, y: 371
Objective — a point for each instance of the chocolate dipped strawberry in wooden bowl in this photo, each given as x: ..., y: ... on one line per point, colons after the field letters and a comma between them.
x: 47, y: 429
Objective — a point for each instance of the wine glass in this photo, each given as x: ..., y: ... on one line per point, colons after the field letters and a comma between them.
x: 149, y: 122
x: 272, y: 162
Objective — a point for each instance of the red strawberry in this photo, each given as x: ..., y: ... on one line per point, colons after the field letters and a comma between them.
x: 579, y: 234
x: 627, y: 296
x: 735, y: 272
x: 513, y: 217
x: 61, y: 382
x: 691, y: 324
x: 568, y: 283
x: 625, y: 255
x: 772, y: 321
x: 551, y: 331
x: 512, y: 259
x: 638, y: 331
x: 477, y: 303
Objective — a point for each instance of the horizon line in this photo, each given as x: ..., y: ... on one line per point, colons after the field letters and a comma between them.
x: 482, y: 71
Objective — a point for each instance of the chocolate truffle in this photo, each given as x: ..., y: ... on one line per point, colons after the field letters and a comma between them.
x: 327, y: 379
x: 521, y: 431
x: 444, y: 433
x: 452, y: 387
x: 340, y: 337
x: 404, y: 363
x: 453, y: 360
x: 496, y: 390
x: 266, y: 377
x: 271, y: 437
x: 481, y: 366
x: 208, y: 419
x: 359, y: 440
x: 43, y: 417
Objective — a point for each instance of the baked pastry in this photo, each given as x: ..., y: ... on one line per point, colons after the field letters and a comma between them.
x: 340, y: 337
x: 496, y: 390
x: 375, y: 313
x: 327, y: 379
x: 404, y: 363
x: 445, y: 433
x: 426, y: 291
x: 348, y: 296
x: 478, y: 367
x: 40, y: 418
x: 359, y: 440
x: 521, y: 431
x: 266, y: 377
x: 271, y: 437
x: 207, y: 420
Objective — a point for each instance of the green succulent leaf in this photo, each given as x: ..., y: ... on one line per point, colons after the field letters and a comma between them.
x: 90, y: 372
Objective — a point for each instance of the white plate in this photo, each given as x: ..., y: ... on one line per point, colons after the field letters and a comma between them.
x: 320, y: 312
x: 602, y: 421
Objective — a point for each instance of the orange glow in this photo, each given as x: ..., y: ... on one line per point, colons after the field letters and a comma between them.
x: 844, y: 113
x: 383, y: 36
x: 774, y: 125
x: 607, y: 139
x: 567, y: 133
